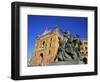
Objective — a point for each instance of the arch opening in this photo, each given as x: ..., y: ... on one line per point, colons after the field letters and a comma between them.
x: 85, y: 60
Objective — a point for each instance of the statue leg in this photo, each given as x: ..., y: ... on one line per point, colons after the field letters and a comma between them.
x: 79, y: 55
x: 59, y: 56
x: 67, y: 57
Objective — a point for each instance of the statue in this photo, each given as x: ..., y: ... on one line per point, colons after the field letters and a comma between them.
x: 69, y: 48
x: 61, y: 54
x: 77, y: 44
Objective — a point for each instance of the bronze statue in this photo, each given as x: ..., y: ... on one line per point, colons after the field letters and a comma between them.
x: 69, y: 48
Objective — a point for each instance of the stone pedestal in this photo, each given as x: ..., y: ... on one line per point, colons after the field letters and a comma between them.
x: 70, y: 62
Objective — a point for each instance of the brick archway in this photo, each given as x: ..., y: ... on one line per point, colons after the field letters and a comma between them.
x: 41, y: 56
x: 85, y: 60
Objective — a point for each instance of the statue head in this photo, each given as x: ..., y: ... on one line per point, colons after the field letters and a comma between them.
x: 66, y: 33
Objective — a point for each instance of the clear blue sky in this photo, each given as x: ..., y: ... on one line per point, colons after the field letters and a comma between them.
x: 38, y: 23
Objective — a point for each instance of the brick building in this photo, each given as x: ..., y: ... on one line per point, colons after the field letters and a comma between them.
x: 45, y: 48
x: 84, y: 50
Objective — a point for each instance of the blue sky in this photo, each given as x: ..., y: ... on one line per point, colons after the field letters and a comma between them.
x: 38, y: 23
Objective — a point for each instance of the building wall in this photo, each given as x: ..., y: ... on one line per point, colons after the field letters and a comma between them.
x: 45, y: 48
x: 84, y: 50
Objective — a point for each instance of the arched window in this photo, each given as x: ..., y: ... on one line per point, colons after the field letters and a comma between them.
x: 41, y: 55
x: 43, y: 44
x: 85, y: 60
x: 50, y: 42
